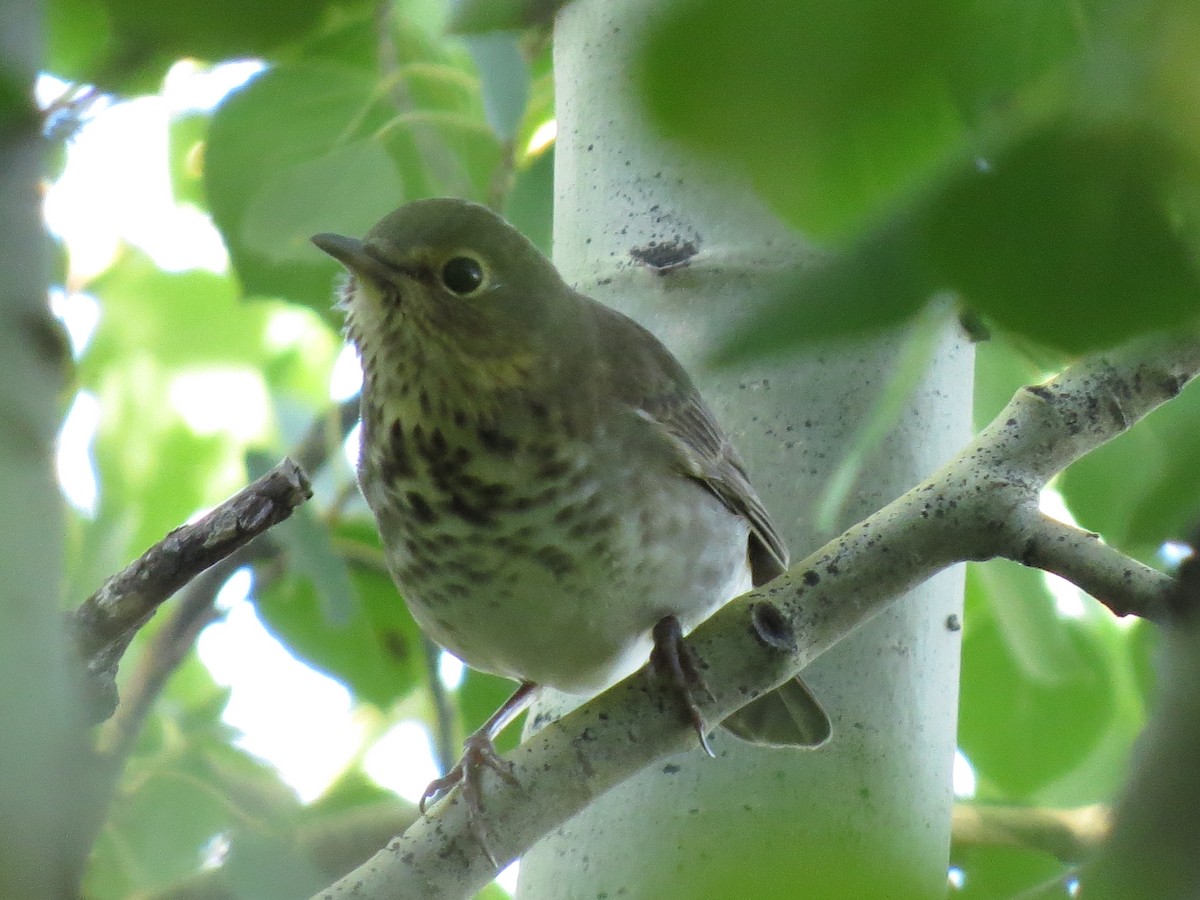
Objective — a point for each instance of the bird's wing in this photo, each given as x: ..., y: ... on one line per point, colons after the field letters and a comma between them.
x: 650, y: 381
x: 708, y: 456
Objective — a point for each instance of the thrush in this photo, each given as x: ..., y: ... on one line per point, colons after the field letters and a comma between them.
x: 555, y: 499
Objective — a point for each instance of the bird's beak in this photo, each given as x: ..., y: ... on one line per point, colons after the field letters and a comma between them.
x: 353, y: 254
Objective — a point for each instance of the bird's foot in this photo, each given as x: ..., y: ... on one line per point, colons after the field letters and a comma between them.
x: 676, y: 662
x: 479, y: 753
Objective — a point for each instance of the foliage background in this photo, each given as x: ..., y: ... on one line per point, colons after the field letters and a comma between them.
x: 1035, y: 161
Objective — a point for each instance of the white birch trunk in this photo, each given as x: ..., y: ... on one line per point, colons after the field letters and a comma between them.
x: 39, y: 746
x: 869, y: 814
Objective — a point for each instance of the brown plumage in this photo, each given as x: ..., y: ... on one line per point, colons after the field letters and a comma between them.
x: 548, y: 482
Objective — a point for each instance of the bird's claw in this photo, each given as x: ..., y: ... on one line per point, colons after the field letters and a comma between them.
x: 675, y: 661
x: 478, y: 753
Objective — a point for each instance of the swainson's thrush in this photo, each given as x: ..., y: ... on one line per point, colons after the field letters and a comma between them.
x: 550, y: 487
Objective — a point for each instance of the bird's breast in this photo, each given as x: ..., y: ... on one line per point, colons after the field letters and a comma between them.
x: 543, y: 556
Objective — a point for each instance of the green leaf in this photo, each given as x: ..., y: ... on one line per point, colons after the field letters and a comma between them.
x: 877, y: 282
x: 991, y: 872
x: 134, y: 42
x: 1000, y: 371
x: 172, y: 802
x: 153, y: 470
x: 1024, y: 612
x: 311, y: 553
x: 376, y: 652
x: 178, y: 319
x: 186, y: 148
x: 78, y: 34
x: 289, y: 129
x: 838, y: 112
x: 320, y: 147
x: 505, y: 79
x: 269, y: 866
x: 345, y: 190
x: 529, y: 206
x: 349, y: 38
x: 1066, y: 238
x: 1022, y: 733
x: 480, y: 695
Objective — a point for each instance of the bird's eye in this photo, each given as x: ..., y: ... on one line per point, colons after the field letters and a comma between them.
x: 463, y: 275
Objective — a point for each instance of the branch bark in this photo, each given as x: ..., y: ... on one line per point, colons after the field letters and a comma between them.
x: 1070, y: 835
x: 106, y: 622
x: 976, y: 507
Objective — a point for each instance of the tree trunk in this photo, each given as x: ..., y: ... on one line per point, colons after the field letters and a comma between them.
x: 38, y: 740
x: 869, y: 814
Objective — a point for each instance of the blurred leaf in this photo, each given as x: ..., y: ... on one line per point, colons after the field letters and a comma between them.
x: 376, y: 653
x: 352, y: 789
x: 1065, y: 238
x: 1024, y: 612
x: 179, y: 319
x: 78, y: 32
x: 493, y: 892
x: 1021, y: 733
x: 529, y: 206
x: 155, y: 835
x: 349, y: 38
x: 173, y: 801
x: 505, y: 79
x: 154, y: 470
x: 1144, y: 642
x: 345, y: 191
x: 992, y: 872
x: 319, y: 147
x: 267, y: 136
x: 154, y: 478
x: 473, y: 16
x: 190, y: 700
x: 267, y: 865
x: 480, y: 695
x: 441, y: 129
x: 837, y: 112
x: 311, y: 554
x: 134, y: 42
x: 877, y: 282
x: 185, y: 157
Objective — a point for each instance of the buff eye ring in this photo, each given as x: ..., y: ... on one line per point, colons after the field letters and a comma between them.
x: 463, y: 275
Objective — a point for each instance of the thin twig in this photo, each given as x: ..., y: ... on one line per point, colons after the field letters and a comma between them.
x: 107, y: 621
x: 1070, y: 835
x: 445, y: 748
x: 1121, y: 583
x: 164, y: 651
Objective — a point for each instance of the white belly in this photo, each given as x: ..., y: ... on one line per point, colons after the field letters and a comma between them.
x: 573, y: 610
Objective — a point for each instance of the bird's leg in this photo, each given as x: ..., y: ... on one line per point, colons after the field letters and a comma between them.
x: 479, y: 752
x: 676, y: 662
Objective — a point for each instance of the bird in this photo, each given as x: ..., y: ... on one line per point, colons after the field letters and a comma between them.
x: 555, y: 500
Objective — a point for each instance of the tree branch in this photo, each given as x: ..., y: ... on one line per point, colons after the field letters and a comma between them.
x: 1124, y: 585
x: 106, y: 622
x: 965, y: 511
x: 1070, y: 835
x: 164, y: 651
